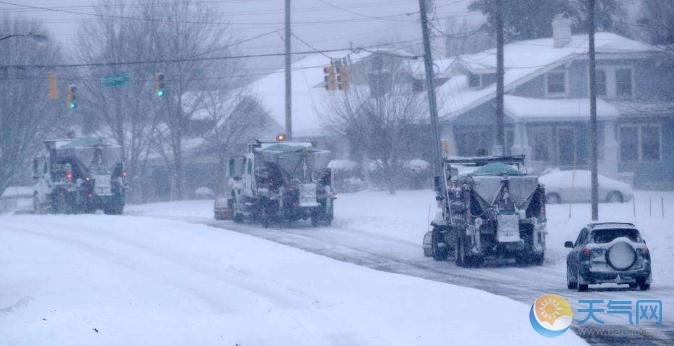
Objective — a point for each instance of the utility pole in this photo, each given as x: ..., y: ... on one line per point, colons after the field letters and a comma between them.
x: 499, y: 148
x: 593, y: 117
x: 289, y: 93
x: 432, y: 103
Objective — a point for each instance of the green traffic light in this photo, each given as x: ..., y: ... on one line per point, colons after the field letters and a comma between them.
x: 161, y: 93
x: 72, y: 105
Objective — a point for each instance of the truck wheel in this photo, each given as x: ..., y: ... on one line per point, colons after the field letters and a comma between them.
x: 459, y: 252
x: 37, y: 206
x: 439, y: 253
x: 62, y: 204
x: 474, y: 261
x: 538, y: 259
x: 114, y: 207
x: 237, y: 216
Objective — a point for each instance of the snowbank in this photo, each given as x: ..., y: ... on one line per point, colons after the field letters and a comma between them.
x: 343, y: 165
x: 138, y: 281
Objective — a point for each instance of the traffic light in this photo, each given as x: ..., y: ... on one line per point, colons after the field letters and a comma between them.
x: 53, y: 87
x: 71, y: 101
x: 330, y: 78
x: 343, y: 78
x: 159, y: 85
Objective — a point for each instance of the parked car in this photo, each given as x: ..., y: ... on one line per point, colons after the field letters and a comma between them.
x: 608, y: 253
x: 574, y: 187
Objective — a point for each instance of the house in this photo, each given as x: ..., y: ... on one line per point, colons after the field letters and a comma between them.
x: 368, y: 69
x: 547, y: 108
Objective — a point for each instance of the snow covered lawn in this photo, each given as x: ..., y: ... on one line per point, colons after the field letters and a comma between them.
x: 129, y: 280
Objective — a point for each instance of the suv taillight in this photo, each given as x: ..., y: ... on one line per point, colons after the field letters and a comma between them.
x: 587, y: 253
x: 645, y: 253
x: 69, y: 175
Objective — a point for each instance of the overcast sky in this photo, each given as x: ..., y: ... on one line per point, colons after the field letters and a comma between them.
x: 253, y: 17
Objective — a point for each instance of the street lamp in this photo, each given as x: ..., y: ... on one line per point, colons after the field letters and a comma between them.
x: 36, y: 37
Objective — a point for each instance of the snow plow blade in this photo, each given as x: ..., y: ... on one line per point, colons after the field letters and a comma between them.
x: 222, y: 209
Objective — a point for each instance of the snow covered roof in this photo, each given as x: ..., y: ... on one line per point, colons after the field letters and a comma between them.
x: 442, y: 66
x: 530, y: 109
x: 638, y: 108
x: 309, y: 95
x: 523, y: 61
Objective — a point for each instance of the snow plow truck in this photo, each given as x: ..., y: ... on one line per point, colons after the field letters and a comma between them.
x: 279, y: 182
x: 497, y: 211
x: 79, y: 175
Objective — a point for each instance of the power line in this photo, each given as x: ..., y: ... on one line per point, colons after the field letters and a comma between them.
x: 192, y: 59
x: 51, y: 9
x: 365, y: 15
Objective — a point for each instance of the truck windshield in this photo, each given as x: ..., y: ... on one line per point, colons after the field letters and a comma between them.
x: 608, y: 235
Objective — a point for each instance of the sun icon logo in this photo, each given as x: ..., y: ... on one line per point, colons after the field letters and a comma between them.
x: 551, y: 315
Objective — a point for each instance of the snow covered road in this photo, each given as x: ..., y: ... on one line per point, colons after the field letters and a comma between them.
x: 384, y: 232
x: 133, y: 280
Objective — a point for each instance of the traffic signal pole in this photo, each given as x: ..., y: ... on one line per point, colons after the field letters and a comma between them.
x: 499, y: 149
x: 289, y: 95
x: 594, y: 180
x: 432, y: 103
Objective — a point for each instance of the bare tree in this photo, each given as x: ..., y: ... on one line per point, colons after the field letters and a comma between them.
x: 180, y: 31
x: 192, y: 32
x: 464, y: 37
x: 127, y: 114
x: 233, y: 120
x: 27, y: 116
x: 381, y: 120
x: 657, y: 23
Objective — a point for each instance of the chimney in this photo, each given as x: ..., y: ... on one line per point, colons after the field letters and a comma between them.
x: 561, y: 31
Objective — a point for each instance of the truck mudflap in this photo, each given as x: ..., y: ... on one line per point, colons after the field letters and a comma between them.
x: 308, y: 196
x: 222, y: 209
x: 103, y: 185
x: 508, y: 228
x: 539, y: 238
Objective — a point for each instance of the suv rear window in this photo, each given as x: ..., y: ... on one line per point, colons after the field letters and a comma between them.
x: 607, y: 235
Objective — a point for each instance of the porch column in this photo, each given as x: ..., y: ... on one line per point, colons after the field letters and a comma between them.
x: 608, y: 165
x: 521, y: 140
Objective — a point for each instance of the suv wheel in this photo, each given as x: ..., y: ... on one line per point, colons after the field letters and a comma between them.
x: 572, y: 285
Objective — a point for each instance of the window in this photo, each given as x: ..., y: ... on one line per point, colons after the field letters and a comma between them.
x: 539, y: 138
x: 488, y: 78
x: 629, y: 144
x: 640, y: 143
x: 556, y: 83
x: 608, y: 235
x: 473, y: 80
x: 623, y: 82
x: 582, y: 237
x: 418, y: 85
x: 601, y: 82
x: 650, y: 143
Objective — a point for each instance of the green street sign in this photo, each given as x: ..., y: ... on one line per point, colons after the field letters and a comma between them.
x: 115, y: 80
